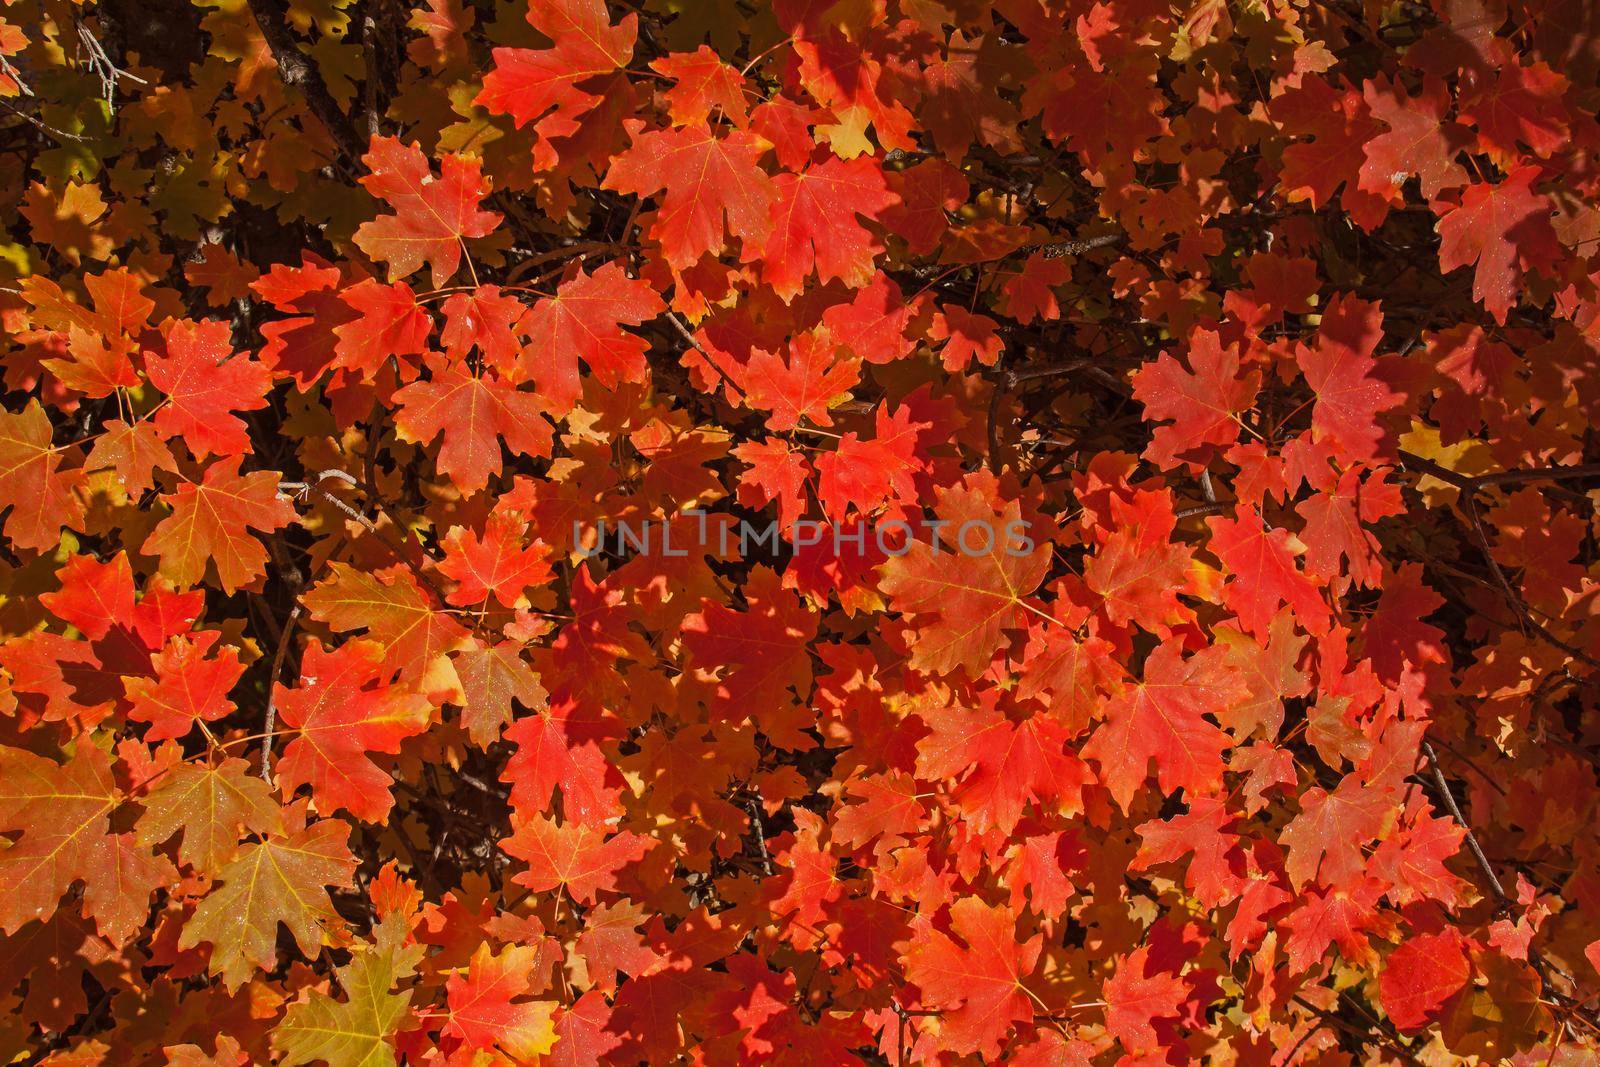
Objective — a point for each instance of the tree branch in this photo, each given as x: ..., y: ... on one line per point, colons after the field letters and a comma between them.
x: 1466, y: 482
x: 271, y: 723
x: 369, y: 54
x: 684, y: 332
x: 1472, y: 840
x: 297, y: 71
x: 407, y: 551
x: 1469, y: 486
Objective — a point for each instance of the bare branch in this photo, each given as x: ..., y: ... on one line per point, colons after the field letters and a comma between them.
x: 270, y: 727
x: 1472, y: 840
x: 684, y: 332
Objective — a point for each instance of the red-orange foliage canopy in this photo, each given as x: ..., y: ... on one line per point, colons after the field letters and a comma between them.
x: 336, y: 723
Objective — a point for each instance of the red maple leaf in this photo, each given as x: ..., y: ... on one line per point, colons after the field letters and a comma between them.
x: 486, y: 1006
x: 343, y: 708
x: 775, y: 472
x: 1518, y: 105
x: 815, y: 227
x: 1350, y: 395
x: 866, y: 475
x: 977, y: 982
x: 205, y: 382
x: 1139, y: 995
x: 475, y: 414
x: 32, y: 484
x: 704, y: 84
x: 966, y: 337
x: 1420, y: 140
x: 305, y: 344
x: 1505, y: 231
x: 189, y: 685
x: 801, y: 385
x: 584, y: 321
x: 708, y: 181
x: 391, y: 323
x: 843, y: 75
x: 1326, y: 838
x: 1207, y: 831
x: 558, y: 746
x: 1011, y: 764
x: 433, y: 215
x: 962, y: 599
x: 763, y: 651
x: 496, y: 563
x: 873, y: 324
x: 211, y: 522
x: 527, y: 83
x: 1140, y: 570
x: 1162, y: 717
x: 1203, y: 403
x: 1265, y: 574
x: 486, y: 319
x: 1421, y: 976
x: 581, y: 859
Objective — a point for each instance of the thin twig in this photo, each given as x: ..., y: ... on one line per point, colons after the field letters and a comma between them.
x: 59, y: 135
x: 1472, y: 840
x: 1357, y: 1032
x: 407, y: 551
x: 16, y: 77
x: 284, y: 637
x: 1062, y: 249
x: 301, y: 488
x: 992, y: 424
x: 1468, y: 485
x: 1008, y: 381
x: 102, y: 67
x: 1510, y: 477
x: 761, y: 836
x: 688, y: 336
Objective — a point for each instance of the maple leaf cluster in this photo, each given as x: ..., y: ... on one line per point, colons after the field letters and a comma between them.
x: 338, y: 340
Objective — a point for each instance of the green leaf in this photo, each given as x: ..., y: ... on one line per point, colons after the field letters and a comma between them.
x: 357, y: 1031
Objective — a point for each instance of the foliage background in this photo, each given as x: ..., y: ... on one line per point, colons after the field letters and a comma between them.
x: 330, y: 324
